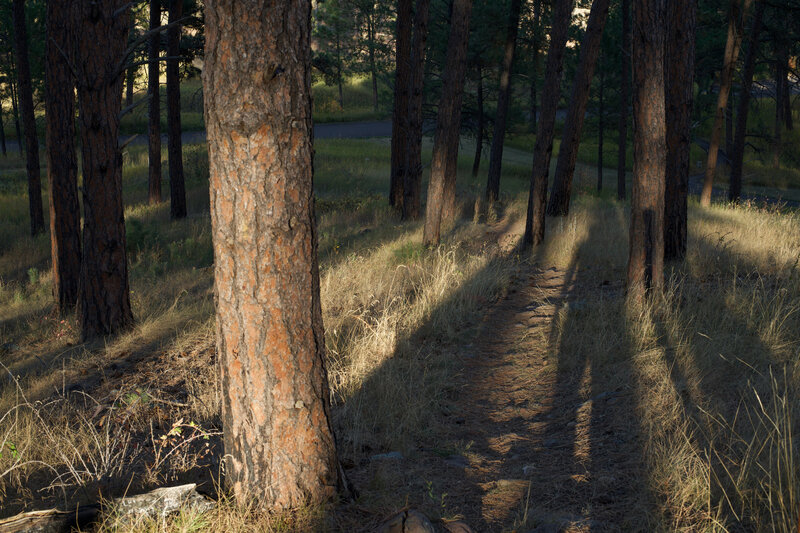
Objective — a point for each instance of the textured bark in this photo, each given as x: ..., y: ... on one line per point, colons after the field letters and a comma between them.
x: 62, y: 166
x: 440, y: 207
x: 402, y: 88
x: 679, y: 80
x: 646, y: 259
x: 503, y: 97
x: 476, y: 162
x: 412, y: 180
x: 543, y: 148
x: 735, y: 16
x: 99, y: 45
x: 28, y: 120
x: 624, y: 96
x: 568, y: 153
x: 737, y: 153
x: 177, y: 187
x: 154, y: 109
x: 279, y: 445
x: 600, y: 131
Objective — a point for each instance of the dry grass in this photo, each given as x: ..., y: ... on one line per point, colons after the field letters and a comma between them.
x: 713, y: 364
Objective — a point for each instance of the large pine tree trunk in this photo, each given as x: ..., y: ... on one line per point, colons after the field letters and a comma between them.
x: 440, y: 207
x: 503, y: 97
x: 412, y: 180
x: 646, y: 259
x: 624, y: 92
x: 543, y: 148
x: 476, y: 162
x: 279, y: 445
x: 154, y: 107
x: 402, y: 89
x: 568, y: 153
x: 62, y: 167
x: 737, y: 153
x: 28, y: 119
x: 679, y: 79
x: 735, y: 17
x: 104, y: 299
x: 177, y: 187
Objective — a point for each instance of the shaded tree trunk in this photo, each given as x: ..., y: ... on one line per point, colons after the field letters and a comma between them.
x: 372, y: 67
x: 600, y: 132
x: 177, y: 187
x: 476, y: 163
x: 646, y: 259
x: 535, y: 45
x: 339, y: 81
x: 729, y: 123
x: 131, y: 76
x: 62, y: 166
x: 28, y: 119
x: 412, y: 180
x: 503, y: 97
x: 99, y: 46
x: 737, y: 152
x: 543, y: 148
x: 440, y: 207
x: 726, y: 76
x: 279, y: 445
x: 780, y: 73
x: 568, y: 153
x: 154, y: 107
x: 624, y: 92
x: 15, y: 112
x: 2, y: 132
x: 400, y: 112
x: 679, y: 80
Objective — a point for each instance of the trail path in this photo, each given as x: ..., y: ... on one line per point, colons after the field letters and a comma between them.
x: 549, y: 445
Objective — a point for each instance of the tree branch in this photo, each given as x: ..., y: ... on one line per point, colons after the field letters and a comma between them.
x: 134, y: 105
x: 144, y: 37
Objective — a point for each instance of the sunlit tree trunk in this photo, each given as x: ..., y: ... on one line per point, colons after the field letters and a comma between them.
x: 279, y: 446
x: 177, y: 188
x: 28, y: 119
x: 679, y: 80
x: 62, y: 167
x: 100, y: 41
x: 624, y: 98
x: 568, y: 153
x: 734, y: 39
x: 440, y: 207
x: 400, y: 112
x: 412, y: 180
x: 748, y: 71
x: 543, y: 148
x: 503, y: 98
x: 154, y: 107
x: 646, y: 259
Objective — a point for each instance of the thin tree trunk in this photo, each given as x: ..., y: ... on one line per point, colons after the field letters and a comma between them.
x: 131, y: 76
x: 503, y: 97
x: 100, y: 41
x: 339, y: 69
x: 154, y: 107
x: 543, y: 148
x: 400, y: 112
x: 476, y: 163
x: 62, y: 166
x: 535, y: 45
x: 787, y: 95
x: 412, y: 184
x: 600, y: 132
x: 729, y: 123
x: 646, y: 260
x: 780, y: 74
x: 279, y: 445
x: 731, y: 52
x: 372, y: 68
x: 737, y: 152
x: 440, y: 207
x: 679, y: 80
x: 15, y: 111
x: 2, y: 132
x: 28, y: 118
x: 177, y: 187
x: 573, y: 128
x: 624, y: 95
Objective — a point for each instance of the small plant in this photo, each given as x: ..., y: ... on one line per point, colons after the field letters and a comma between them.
x: 33, y: 276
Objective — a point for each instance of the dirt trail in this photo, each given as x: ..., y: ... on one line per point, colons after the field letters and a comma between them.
x: 549, y: 444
